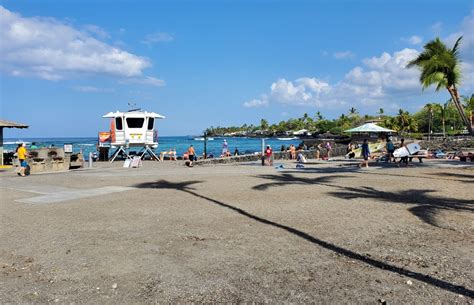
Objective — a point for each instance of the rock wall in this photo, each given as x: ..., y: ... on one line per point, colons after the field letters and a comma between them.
x: 338, y: 150
x: 51, y: 160
x: 448, y: 144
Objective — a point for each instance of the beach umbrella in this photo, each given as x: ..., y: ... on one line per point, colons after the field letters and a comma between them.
x: 369, y: 127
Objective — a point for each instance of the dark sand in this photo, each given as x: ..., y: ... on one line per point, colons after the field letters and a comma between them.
x: 233, y: 233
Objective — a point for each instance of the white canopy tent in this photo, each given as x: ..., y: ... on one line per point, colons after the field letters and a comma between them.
x: 369, y: 127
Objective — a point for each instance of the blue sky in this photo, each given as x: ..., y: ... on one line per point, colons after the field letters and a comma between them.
x: 64, y: 64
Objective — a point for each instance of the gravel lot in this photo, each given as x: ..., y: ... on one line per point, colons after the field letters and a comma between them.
x: 239, y: 233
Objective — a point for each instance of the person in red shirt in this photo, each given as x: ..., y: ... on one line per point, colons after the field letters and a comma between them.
x: 269, y: 154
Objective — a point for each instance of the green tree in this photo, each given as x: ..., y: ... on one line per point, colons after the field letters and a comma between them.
x: 263, y: 124
x: 343, y: 122
x: 380, y: 113
x: 319, y: 116
x: 406, y: 122
x: 391, y: 123
x: 442, y: 109
x: 353, y: 112
x: 439, y: 66
x: 430, y: 109
x: 469, y: 102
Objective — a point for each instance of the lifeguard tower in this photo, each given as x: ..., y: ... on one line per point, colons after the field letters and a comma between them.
x: 134, y: 128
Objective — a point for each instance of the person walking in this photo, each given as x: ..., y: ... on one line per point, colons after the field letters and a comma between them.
x: 405, y: 158
x: 292, y: 152
x: 365, y: 154
x: 269, y: 155
x: 319, y: 147
x: 225, y: 149
x: 191, y: 155
x: 328, y: 148
x: 390, y: 149
x: 22, y: 155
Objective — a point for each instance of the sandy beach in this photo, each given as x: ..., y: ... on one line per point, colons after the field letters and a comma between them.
x: 330, y: 232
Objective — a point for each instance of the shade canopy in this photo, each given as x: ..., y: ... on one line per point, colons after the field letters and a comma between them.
x: 7, y: 124
x: 10, y: 124
x: 369, y: 127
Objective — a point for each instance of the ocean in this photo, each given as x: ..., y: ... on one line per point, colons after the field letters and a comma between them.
x: 181, y: 144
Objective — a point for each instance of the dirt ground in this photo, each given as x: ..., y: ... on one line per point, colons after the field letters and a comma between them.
x: 329, y: 232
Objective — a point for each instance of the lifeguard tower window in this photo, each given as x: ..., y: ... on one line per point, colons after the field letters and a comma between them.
x: 151, y: 121
x: 135, y: 122
x: 118, y: 124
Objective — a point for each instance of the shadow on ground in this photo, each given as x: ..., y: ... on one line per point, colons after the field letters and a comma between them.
x: 383, y: 170
x: 426, y: 205
x: 285, y: 179
x: 465, y: 177
x: 186, y: 188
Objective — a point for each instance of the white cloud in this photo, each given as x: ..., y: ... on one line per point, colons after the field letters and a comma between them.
x: 344, y: 55
x: 89, y: 89
x: 256, y: 103
x: 374, y: 83
x: 96, y: 31
x: 147, y: 80
x: 302, y: 91
x: 157, y: 37
x: 414, y: 40
x: 49, y: 49
x: 380, y: 81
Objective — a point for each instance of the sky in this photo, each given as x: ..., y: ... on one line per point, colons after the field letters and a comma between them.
x: 64, y: 64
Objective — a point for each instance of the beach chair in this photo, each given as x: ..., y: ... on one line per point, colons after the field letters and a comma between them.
x: 439, y: 154
x: 171, y: 154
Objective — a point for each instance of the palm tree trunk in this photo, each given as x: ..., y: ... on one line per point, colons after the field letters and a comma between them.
x: 429, y: 127
x: 444, y: 128
x: 454, y: 94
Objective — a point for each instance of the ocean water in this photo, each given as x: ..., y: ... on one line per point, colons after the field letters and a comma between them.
x: 181, y: 144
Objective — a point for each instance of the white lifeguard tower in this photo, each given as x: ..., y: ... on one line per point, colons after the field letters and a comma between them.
x: 134, y: 128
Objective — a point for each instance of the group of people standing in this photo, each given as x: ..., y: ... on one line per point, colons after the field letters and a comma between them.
x: 365, y: 152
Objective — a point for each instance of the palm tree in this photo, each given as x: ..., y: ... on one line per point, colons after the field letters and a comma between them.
x: 403, y: 120
x: 443, y: 110
x: 305, y: 117
x: 391, y: 123
x: 439, y: 66
x: 352, y: 112
x: 380, y: 113
x: 263, y: 124
x: 469, y: 102
x: 429, y: 108
x: 319, y: 116
x: 344, y: 121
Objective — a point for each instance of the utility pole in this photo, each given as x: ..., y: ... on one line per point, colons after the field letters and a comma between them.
x: 205, y: 144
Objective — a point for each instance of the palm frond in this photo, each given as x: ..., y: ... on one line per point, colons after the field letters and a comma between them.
x: 455, y: 49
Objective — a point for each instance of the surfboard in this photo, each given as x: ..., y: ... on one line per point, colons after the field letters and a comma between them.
x: 401, y: 152
x: 409, y: 149
x: 413, y: 148
x: 373, y: 147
